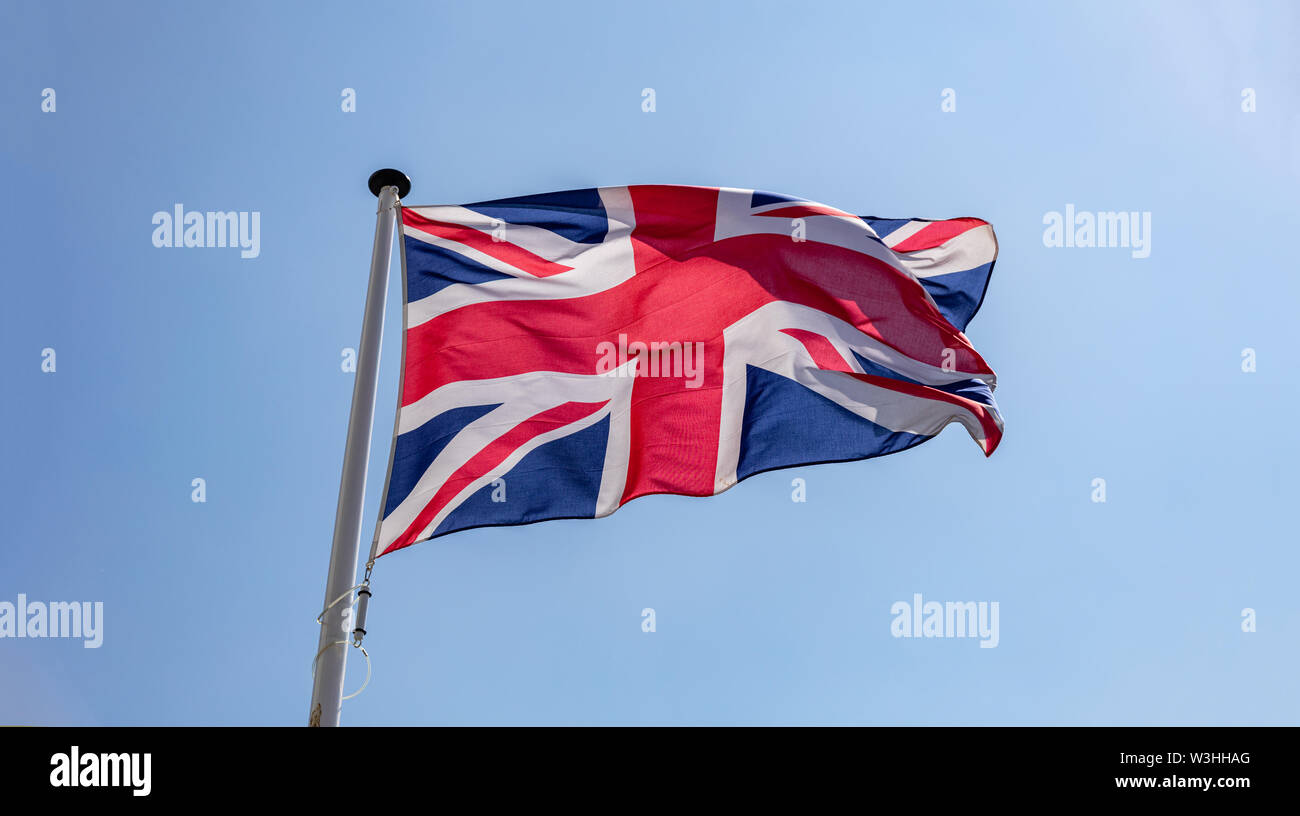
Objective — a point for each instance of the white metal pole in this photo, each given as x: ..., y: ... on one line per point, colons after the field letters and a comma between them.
x: 336, y: 623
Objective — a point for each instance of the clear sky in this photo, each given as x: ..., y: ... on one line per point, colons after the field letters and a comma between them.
x: 176, y: 364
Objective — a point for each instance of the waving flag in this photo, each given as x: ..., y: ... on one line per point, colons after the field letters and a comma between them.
x: 566, y: 353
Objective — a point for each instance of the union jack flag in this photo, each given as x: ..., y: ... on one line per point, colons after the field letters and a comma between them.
x: 568, y: 352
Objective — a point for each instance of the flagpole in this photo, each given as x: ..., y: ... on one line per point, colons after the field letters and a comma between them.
x: 332, y: 649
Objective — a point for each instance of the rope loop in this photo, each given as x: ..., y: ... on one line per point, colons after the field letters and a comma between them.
x: 334, y: 602
x: 364, y: 654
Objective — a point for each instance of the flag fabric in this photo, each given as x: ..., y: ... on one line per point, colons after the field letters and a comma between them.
x: 566, y: 353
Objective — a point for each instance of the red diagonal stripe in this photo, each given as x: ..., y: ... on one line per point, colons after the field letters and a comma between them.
x: 801, y: 210
x: 494, y: 454
x: 503, y: 251
x: 992, y: 434
x: 822, y: 350
x: 937, y: 233
x: 825, y: 355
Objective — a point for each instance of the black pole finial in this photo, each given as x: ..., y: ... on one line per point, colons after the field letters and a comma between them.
x: 388, y: 177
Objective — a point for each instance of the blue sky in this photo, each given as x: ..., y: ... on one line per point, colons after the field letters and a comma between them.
x: 180, y: 364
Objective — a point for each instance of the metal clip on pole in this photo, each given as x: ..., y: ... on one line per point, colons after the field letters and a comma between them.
x: 363, y: 603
